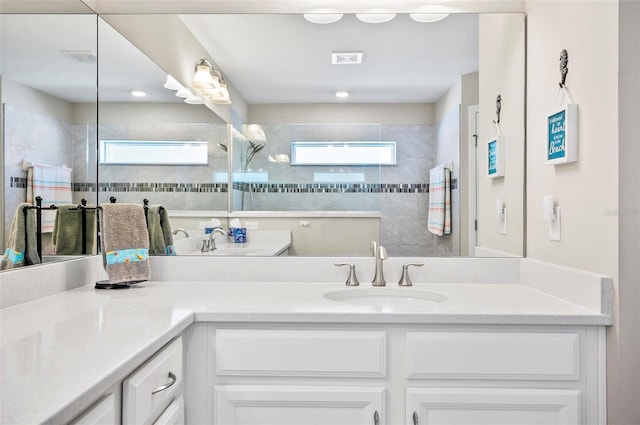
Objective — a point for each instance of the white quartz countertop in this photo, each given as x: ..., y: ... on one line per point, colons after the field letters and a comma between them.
x: 60, y: 352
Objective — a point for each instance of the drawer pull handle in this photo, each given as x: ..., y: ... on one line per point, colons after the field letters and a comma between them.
x: 376, y: 418
x: 415, y: 418
x: 172, y: 380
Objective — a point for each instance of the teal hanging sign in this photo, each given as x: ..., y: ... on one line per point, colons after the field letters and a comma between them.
x: 495, y: 157
x: 562, y: 135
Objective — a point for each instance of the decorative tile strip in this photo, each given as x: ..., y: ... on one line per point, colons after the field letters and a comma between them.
x: 336, y: 187
x: 164, y: 187
x: 18, y: 182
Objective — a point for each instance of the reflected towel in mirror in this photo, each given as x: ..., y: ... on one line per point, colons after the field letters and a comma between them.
x: 160, y: 235
x: 439, y: 217
x: 53, y: 185
x: 67, y: 231
x: 23, y: 230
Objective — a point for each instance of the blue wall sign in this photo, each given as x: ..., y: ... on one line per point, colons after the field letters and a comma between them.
x: 562, y: 135
x: 556, y: 146
x: 493, y: 157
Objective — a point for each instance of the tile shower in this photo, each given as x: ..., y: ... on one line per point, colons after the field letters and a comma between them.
x: 398, y: 192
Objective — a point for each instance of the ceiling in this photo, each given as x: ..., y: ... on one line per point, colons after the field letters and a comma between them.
x: 31, y: 46
x: 282, y: 58
x: 268, y: 58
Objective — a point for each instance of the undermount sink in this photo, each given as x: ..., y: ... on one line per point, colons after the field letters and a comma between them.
x: 386, y: 296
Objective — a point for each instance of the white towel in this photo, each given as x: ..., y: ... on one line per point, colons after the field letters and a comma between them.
x: 53, y: 185
x: 439, y: 218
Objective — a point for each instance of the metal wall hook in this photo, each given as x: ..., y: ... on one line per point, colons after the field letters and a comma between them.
x: 498, y: 108
x: 564, y: 69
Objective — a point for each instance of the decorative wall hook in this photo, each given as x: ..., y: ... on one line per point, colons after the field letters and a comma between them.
x: 564, y: 62
x: 498, y: 109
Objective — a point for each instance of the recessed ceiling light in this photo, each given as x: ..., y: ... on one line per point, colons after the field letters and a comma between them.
x: 375, y: 18
x: 323, y: 18
x: 346, y: 58
x: 138, y: 93
x: 342, y: 93
x: 428, y: 17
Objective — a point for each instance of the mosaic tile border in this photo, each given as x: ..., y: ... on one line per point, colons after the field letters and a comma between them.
x: 21, y: 183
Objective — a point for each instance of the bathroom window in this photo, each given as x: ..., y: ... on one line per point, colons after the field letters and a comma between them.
x: 343, y: 153
x: 153, y: 152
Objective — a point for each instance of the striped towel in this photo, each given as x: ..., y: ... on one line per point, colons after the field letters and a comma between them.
x: 51, y: 183
x: 439, y: 219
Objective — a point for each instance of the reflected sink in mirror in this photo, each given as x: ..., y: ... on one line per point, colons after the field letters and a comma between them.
x: 387, y: 297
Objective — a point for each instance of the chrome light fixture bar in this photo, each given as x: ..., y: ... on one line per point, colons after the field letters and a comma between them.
x: 210, y: 83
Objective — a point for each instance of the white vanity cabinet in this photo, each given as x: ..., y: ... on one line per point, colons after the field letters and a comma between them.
x: 153, y: 387
x: 401, y: 374
x: 106, y: 411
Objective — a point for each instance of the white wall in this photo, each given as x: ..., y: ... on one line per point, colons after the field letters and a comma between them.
x: 624, y: 388
x: 587, y: 191
x: 391, y: 113
x: 501, y: 52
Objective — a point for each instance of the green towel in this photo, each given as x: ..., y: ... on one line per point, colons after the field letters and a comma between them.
x: 16, y: 253
x: 67, y: 231
x: 159, y: 227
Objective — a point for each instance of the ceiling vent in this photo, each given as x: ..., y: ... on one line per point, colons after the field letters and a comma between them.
x: 346, y: 58
x: 82, y: 56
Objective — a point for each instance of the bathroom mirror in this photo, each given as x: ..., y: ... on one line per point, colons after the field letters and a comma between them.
x: 48, y: 74
x: 263, y: 56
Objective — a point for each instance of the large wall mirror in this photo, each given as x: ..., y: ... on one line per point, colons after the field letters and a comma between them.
x: 429, y: 87
x: 278, y: 67
x: 48, y: 74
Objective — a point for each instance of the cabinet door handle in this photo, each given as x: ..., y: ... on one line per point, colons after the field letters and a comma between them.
x: 172, y: 380
x: 376, y: 418
x: 415, y: 418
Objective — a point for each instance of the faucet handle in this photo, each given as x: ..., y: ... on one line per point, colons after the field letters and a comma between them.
x: 352, y: 280
x: 405, y: 280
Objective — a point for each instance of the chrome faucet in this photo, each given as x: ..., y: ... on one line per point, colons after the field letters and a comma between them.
x: 381, y: 255
x: 211, y: 246
x: 180, y: 229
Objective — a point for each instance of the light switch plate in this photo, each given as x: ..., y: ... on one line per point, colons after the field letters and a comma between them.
x: 554, y: 225
x: 503, y: 222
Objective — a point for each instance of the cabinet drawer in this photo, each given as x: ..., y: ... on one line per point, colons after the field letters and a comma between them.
x: 492, y: 355
x: 173, y: 415
x: 101, y: 413
x: 298, y: 405
x: 150, y: 389
x: 300, y: 353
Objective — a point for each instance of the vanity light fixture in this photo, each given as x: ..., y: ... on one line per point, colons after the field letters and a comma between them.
x: 428, y: 17
x: 342, y: 94
x: 323, y: 18
x: 172, y: 84
x: 209, y: 82
x: 375, y: 18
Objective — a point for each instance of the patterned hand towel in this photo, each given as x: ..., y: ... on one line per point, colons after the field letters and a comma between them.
x: 439, y: 216
x: 67, y: 231
x: 125, y: 243
x: 160, y: 236
x: 53, y: 185
x: 17, y: 254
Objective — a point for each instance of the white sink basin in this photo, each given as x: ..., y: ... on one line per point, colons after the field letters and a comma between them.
x: 386, y: 297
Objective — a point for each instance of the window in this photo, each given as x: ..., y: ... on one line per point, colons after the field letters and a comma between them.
x: 153, y: 152
x: 343, y: 153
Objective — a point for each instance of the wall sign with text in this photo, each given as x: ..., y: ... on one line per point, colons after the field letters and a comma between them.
x: 495, y: 157
x: 562, y: 135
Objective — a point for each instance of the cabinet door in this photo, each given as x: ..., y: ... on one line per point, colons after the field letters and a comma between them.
x: 297, y: 405
x: 102, y: 413
x: 481, y: 406
x: 173, y: 415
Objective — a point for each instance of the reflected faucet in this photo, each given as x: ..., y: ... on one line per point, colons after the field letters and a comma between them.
x: 378, y: 277
x: 211, y: 246
x: 180, y: 229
